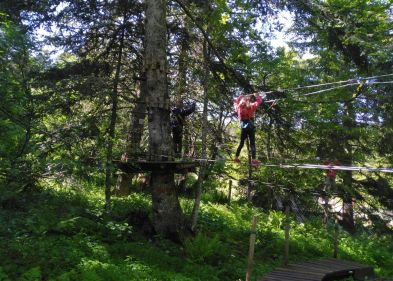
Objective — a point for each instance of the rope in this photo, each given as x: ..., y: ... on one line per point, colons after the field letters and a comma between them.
x: 330, y: 89
x: 332, y: 83
x: 325, y: 167
x: 350, y: 81
x: 285, y: 165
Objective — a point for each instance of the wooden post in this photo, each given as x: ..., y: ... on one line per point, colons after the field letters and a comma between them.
x: 251, y: 249
x: 336, y: 238
x: 229, y: 192
x: 286, y: 254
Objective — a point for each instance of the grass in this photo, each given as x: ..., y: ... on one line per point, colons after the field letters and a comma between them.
x: 63, y: 234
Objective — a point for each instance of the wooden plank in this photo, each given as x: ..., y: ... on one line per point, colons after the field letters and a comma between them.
x: 281, y: 277
x: 294, y: 276
x: 347, y: 262
x: 141, y: 166
x: 333, y: 265
x: 308, y: 267
x: 328, y: 265
x: 296, y: 271
x: 320, y: 270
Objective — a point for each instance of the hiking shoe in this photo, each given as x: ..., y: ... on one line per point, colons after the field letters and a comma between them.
x: 254, y: 162
x: 236, y: 160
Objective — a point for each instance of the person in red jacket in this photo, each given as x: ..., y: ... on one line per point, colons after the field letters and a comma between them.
x: 245, y: 110
x: 330, y: 183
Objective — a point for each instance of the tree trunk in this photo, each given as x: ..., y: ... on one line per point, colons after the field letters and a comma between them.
x: 124, y: 181
x: 202, y: 170
x: 168, y: 219
x: 112, y: 125
x: 25, y: 175
x: 181, y: 84
x: 349, y: 124
x: 347, y: 218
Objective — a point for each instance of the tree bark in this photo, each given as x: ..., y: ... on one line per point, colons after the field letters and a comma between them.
x: 168, y: 220
x: 112, y: 124
x: 349, y: 124
x: 202, y: 170
x: 124, y: 181
x: 181, y: 85
x: 347, y: 218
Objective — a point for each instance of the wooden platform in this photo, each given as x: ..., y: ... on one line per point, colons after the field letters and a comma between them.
x: 143, y: 166
x: 321, y: 270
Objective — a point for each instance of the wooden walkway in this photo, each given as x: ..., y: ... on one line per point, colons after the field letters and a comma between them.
x: 321, y: 270
x: 142, y: 166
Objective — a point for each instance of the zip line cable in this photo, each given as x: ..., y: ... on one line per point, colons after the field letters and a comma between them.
x: 336, y: 82
x: 330, y: 89
x: 352, y: 82
x: 342, y: 86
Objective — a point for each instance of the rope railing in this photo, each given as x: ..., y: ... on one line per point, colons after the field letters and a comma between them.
x: 327, y: 167
x: 275, y: 165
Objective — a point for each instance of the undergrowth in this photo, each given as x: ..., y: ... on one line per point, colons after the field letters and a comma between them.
x: 63, y: 234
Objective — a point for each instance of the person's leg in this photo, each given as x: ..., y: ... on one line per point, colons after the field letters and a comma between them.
x: 177, y: 142
x: 326, y: 186
x: 334, y: 186
x: 251, y: 137
x: 180, y: 143
x: 174, y: 141
x: 325, y: 199
x: 331, y: 185
x: 243, y: 136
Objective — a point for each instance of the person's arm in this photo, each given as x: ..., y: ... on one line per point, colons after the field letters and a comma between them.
x: 258, y: 101
x: 237, y: 101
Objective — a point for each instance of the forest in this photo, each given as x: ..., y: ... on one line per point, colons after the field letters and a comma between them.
x: 122, y: 123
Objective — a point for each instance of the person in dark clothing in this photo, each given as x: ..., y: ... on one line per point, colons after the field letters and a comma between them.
x: 178, y: 114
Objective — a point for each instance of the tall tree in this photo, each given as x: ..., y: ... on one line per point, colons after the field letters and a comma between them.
x: 17, y: 109
x: 167, y: 214
x: 113, y: 118
x: 353, y: 32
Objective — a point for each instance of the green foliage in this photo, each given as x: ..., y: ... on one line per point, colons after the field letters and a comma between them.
x: 53, y: 123
x: 13, y: 99
x: 3, y: 275
x: 202, y: 249
x: 32, y: 274
x: 59, y: 235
